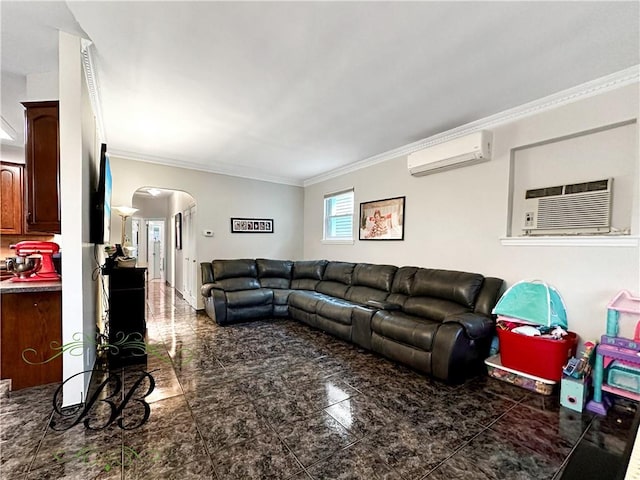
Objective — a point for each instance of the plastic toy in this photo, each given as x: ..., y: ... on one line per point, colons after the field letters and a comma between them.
x: 613, y: 348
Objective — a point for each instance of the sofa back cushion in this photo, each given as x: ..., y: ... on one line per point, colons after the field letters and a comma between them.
x: 336, y: 279
x: 371, y: 282
x: 233, y: 275
x: 401, y: 285
x: 307, y: 274
x: 458, y: 287
x: 436, y: 294
x: 274, y: 273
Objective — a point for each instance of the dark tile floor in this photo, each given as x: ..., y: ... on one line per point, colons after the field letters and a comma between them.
x: 276, y: 399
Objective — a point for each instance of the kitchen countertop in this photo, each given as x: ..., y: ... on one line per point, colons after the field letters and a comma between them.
x: 8, y: 286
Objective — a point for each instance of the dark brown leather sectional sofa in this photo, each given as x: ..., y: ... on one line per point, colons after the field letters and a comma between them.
x: 436, y: 321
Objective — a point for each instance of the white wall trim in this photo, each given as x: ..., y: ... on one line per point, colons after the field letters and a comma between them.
x: 574, y: 241
x: 231, y: 170
x: 92, y: 83
x: 594, y: 87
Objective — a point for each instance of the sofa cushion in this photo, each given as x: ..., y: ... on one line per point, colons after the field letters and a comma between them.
x: 333, y: 289
x: 242, y: 267
x: 312, y: 269
x: 274, y: 273
x: 234, y: 275
x: 432, y: 308
x: 305, y: 300
x: 379, y: 277
x: 403, y: 279
x: 406, y: 329
x: 281, y: 296
x: 339, y: 272
x: 335, y: 310
x: 458, y: 287
x: 249, y: 298
x: 362, y: 295
x: 240, y: 283
x: 307, y: 274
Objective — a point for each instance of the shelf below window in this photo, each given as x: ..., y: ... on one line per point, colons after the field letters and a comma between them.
x: 573, y: 241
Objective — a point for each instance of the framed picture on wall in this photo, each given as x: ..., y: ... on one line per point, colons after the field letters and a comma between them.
x: 178, y: 219
x: 251, y: 225
x: 382, y: 219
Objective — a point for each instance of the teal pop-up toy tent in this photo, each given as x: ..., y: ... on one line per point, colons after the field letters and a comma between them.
x: 533, y: 302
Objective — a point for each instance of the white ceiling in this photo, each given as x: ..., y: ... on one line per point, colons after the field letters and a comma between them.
x: 288, y: 91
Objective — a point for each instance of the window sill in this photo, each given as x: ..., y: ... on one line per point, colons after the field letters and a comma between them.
x: 573, y: 241
x: 337, y: 242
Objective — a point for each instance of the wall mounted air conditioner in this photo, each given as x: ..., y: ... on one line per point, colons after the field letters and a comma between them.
x: 467, y: 150
x: 578, y: 208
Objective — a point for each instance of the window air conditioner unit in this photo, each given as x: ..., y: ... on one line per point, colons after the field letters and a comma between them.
x: 579, y: 208
x: 467, y: 150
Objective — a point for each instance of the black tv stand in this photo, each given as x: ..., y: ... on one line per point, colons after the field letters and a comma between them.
x: 127, y: 324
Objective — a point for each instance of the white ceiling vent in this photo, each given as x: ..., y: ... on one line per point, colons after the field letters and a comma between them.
x: 463, y: 151
x: 569, y: 209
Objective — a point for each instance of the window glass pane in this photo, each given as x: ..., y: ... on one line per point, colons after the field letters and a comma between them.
x: 338, y: 216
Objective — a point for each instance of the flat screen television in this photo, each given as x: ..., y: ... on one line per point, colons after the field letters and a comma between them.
x: 101, y: 204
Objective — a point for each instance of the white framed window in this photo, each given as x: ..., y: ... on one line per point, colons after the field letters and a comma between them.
x: 338, y: 217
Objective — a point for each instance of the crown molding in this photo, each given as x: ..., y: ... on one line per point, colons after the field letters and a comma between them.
x: 92, y: 84
x: 220, y: 169
x: 594, y: 87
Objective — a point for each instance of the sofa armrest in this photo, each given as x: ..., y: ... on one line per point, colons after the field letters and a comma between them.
x: 206, y: 289
x: 206, y: 272
x: 383, y: 305
x: 475, y: 325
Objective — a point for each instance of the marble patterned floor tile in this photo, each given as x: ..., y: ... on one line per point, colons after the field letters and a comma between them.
x: 315, y: 438
x: 288, y: 407
x: 355, y: 462
x: 263, y: 457
x: 216, y: 396
x: 493, y: 386
x: 553, y: 439
x: 222, y: 428
x: 611, y: 432
x: 156, y: 452
x: 196, y: 470
x: 76, y: 443
x: 478, y: 406
x: 360, y: 415
x: 89, y: 470
x: 490, y: 456
x: 29, y: 399
x: 16, y: 464
x: 262, y: 385
x: 410, y: 450
x: 91, y: 457
x: 168, y: 413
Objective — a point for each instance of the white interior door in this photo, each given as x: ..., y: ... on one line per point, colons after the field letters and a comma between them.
x: 155, y: 250
x: 186, y: 221
x: 193, y: 271
x: 190, y: 262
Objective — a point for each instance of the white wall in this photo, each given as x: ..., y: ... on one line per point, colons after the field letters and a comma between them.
x: 455, y: 219
x: 218, y: 198
x: 77, y: 142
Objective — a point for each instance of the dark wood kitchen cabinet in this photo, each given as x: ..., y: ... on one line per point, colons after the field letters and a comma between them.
x: 42, y: 170
x: 11, y: 219
x: 30, y: 329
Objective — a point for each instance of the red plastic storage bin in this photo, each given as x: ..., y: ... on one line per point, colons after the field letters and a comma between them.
x: 542, y: 357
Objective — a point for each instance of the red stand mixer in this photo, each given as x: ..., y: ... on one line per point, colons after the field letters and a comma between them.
x: 34, y: 262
